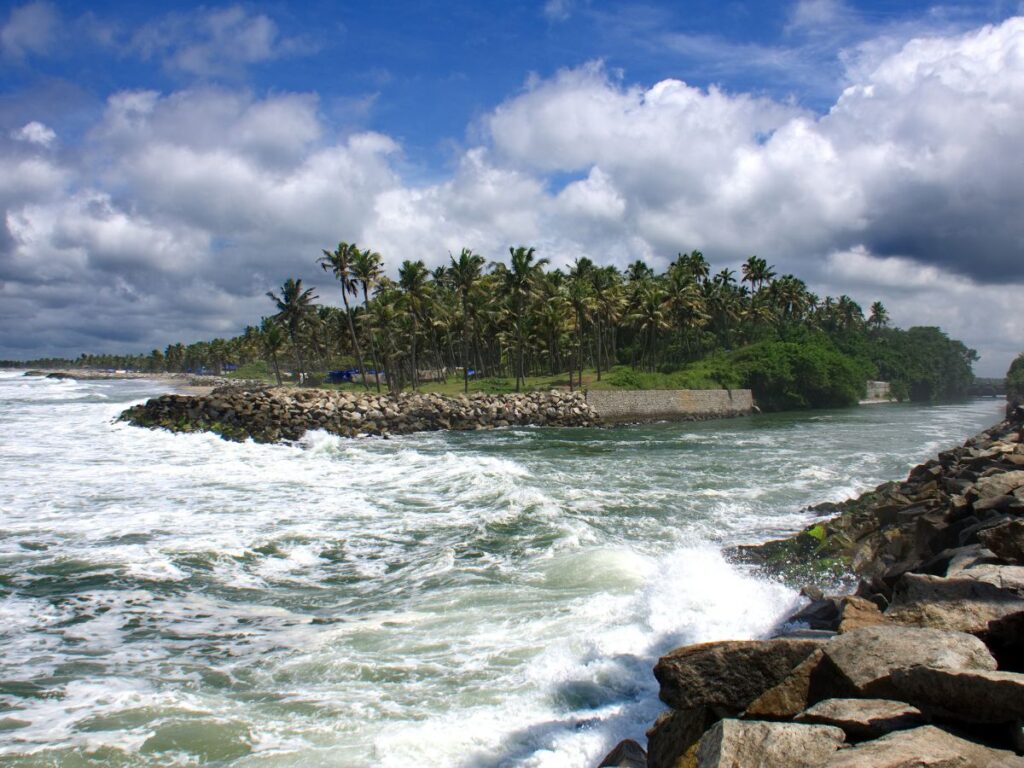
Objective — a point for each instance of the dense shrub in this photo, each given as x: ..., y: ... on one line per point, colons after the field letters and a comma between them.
x: 1015, y: 379
x: 789, y: 375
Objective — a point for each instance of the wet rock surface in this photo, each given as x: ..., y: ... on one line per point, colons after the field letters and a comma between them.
x: 922, y: 666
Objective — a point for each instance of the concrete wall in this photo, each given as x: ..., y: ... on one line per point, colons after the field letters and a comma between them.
x: 878, y: 390
x: 670, y: 404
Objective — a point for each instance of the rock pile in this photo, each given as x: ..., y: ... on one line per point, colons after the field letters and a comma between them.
x: 922, y: 666
x: 272, y: 414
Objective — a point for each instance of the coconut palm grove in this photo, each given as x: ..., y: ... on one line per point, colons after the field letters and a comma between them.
x: 516, y: 324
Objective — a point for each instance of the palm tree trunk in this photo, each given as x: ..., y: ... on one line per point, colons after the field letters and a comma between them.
x: 373, y: 342
x: 355, y: 339
x: 415, y: 372
x: 579, y: 353
x: 277, y: 368
x: 465, y: 347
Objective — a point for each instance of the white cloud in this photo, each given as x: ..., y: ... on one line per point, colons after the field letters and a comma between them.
x: 35, y: 133
x: 30, y: 29
x: 906, y: 190
x: 214, y: 42
x: 558, y: 10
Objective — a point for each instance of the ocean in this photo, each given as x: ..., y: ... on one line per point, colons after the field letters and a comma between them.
x: 477, y: 599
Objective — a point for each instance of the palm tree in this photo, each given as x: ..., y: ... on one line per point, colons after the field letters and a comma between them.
x: 272, y: 341
x: 465, y: 273
x: 294, y: 306
x: 638, y: 271
x: 366, y: 270
x: 339, y: 262
x: 685, y: 301
x: 579, y: 291
x: 851, y: 316
x: 757, y: 272
x: 648, y: 317
x: 879, y: 317
x: 412, y: 278
x: 518, y: 283
x: 218, y: 355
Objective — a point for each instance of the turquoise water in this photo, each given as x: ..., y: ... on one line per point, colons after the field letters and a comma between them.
x: 445, y: 599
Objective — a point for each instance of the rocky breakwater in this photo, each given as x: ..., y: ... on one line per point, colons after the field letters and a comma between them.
x: 273, y: 414
x: 922, y: 665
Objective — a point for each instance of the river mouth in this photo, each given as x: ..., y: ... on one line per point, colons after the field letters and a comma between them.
x: 477, y: 599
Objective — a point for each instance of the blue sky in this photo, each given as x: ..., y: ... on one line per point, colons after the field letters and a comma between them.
x: 423, y: 72
x: 160, y: 151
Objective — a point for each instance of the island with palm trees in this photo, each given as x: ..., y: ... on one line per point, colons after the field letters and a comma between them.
x: 518, y: 325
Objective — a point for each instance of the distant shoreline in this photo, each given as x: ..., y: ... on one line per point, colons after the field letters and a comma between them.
x: 183, y: 383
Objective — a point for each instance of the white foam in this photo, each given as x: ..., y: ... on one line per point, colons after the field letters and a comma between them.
x: 439, y: 599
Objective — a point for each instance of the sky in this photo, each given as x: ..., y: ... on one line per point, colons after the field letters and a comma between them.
x: 164, y: 165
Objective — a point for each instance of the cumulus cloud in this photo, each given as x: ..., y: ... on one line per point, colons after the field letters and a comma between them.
x: 35, y: 133
x: 30, y: 29
x: 182, y: 209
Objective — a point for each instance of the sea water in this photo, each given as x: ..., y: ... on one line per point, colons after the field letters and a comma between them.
x: 492, y: 598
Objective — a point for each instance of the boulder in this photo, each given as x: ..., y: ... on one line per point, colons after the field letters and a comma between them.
x: 956, y: 604
x: 1002, y: 484
x: 1008, y: 577
x: 863, y: 719
x: 922, y: 747
x: 1005, y: 540
x: 674, y: 733
x: 856, y: 612
x: 626, y: 754
x: 809, y: 682
x: 976, y: 696
x: 754, y: 744
x: 727, y: 675
x: 865, y: 659
x: 822, y: 613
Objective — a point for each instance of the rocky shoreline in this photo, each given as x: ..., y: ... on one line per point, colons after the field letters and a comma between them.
x: 271, y: 414
x: 922, y: 665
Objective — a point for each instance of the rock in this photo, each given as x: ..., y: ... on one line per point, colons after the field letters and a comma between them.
x: 1007, y: 577
x: 1005, y: 540
x: 1005, y: 638
x: 674, y: 733
x: 924, y: 747
x: 809, y: 682
x: 754, y: 744
x: 804, y: 634
x: 1002, y: 484
x: 812, y: 592
x: 626, y: 754
x: 727, y: 675
x: 863, y: 719
x: 865, y: 659
x: 967, y: 557
x: 973, y: 527
x: 976, y: 696
x: 857, y: 612
x: 956, y: 604
x: 822, y: 613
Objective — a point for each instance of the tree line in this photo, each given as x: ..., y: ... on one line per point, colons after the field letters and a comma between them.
x: 519, y: 318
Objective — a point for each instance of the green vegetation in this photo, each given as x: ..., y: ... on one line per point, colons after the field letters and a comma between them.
x: 518, y: 325
x: 1015, y: 379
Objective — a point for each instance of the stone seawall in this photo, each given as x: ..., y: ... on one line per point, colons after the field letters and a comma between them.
x: 618, y: 406
x: 273, y: 414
